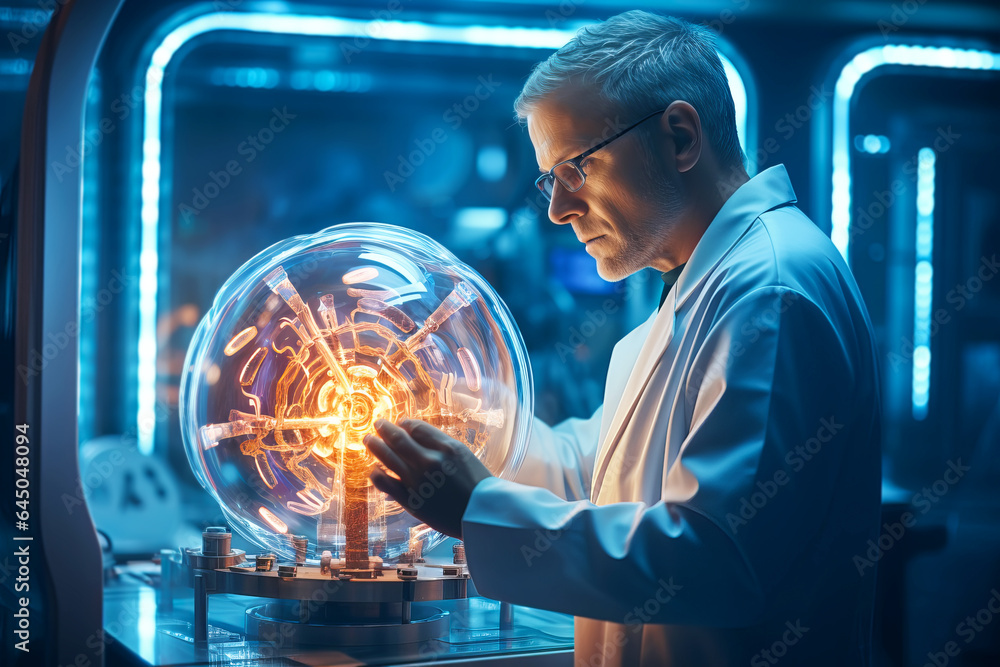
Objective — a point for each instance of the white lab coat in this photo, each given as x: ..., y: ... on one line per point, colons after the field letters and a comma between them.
x: 710, y: 512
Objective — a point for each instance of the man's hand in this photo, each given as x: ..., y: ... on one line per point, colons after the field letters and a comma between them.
x: 436, y: 472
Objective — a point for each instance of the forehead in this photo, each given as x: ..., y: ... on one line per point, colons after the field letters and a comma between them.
x: 565, y: 123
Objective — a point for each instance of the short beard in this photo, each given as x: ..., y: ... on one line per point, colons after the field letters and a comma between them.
x: 645, y: 241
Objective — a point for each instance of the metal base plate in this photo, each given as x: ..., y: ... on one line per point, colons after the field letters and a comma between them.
x: 310, y: 584
x: 276, y: 622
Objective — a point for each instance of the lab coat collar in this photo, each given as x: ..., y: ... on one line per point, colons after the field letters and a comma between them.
x: 767, y: 190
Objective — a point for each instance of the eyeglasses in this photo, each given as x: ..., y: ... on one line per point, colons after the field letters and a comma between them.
x: 570, y: 172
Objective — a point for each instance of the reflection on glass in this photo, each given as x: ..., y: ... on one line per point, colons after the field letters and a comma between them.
x: 310, y: 343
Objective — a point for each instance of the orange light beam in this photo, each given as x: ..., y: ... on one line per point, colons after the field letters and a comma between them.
x: 279, y: 283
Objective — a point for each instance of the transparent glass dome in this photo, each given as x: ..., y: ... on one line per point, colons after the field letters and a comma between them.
x: 310, y: 342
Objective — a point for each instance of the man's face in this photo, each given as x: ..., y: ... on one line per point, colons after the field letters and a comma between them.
x: 630, y: 203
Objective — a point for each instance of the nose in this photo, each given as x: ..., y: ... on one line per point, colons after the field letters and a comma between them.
x: 566, y: 206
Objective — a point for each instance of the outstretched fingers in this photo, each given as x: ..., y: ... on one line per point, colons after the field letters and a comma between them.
x: 393, y: 488
x: 428, y: 436
x: 400, y: 442
x: 380, y: 450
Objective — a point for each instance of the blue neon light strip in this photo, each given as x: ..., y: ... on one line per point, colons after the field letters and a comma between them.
x: 861, y: 65
x: 873, y: 144
x: 923, y: 283
x: 292, y: 24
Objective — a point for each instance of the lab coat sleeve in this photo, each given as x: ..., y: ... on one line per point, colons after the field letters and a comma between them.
x: 763, y: 380
x: 561, y: 458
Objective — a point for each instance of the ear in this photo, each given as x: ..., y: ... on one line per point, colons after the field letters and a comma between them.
x: 683, y: 126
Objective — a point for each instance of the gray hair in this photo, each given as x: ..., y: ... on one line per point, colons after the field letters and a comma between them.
x: 640, y: 62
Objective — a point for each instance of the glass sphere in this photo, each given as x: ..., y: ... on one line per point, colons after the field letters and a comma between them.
x: 309, y: 343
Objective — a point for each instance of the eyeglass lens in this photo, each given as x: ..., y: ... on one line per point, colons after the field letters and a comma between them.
x: 567, y: 173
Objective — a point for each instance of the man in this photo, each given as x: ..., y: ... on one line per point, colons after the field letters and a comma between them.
x: 709, y: 513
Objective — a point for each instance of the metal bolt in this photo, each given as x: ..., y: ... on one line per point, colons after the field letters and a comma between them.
x: 265, y: 562
x: 216, y: 541
x: 300, y: 543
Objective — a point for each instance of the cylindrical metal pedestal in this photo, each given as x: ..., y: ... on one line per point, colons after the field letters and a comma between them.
x: 283, y: 621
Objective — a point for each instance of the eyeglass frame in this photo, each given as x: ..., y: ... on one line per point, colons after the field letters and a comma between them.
x: 578, y: 160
